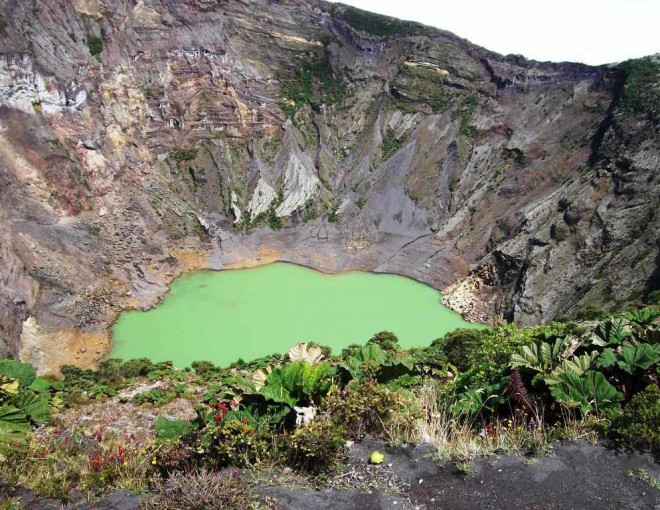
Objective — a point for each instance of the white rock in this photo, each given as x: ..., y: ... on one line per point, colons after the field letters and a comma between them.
x: 235, y: 208
x: 300, y: 184
x: 261, y: 199
x: 22, y: 87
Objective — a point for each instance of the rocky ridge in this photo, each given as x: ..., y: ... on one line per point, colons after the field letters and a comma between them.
x: 142, y: 139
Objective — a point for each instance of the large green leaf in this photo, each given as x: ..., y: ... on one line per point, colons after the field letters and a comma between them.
x: 243, y: 416
x: 577, y: 365
x: 643, y: 316
x: 290, y: 377
x: 368, y: 353
x: 14, y: 426
x: 638, y: 357
x: 540, y: 356
x: 607, y: 358
x: 42, y: 385
x: 278, y: 394
x: 36, y: 407
x: 170, y: 430
x: 24, y: 373
x: 589, y: 392
x: 611, y: 331
x: 318, y: 380
x: 298, y: 381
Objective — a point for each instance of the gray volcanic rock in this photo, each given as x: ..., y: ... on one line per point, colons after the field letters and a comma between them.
x: 142, y: 139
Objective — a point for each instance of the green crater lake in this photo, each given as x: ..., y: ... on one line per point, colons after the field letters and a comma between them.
x: 221, y: 316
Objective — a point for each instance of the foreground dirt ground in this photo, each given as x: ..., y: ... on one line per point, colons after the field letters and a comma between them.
x: 570, y: 476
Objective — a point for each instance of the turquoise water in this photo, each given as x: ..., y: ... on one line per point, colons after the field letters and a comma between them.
x: 221, y: 316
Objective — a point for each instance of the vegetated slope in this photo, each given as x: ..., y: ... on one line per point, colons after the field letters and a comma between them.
x: 140, y: 140
x: 301, y: 427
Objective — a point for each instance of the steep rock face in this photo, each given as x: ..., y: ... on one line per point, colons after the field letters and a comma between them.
x: 140, y: 139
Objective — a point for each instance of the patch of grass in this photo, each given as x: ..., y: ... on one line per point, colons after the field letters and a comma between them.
x: 376, y: 24
x: 332, y: 216
x: 95, y: 44
x: 439, y: 100
x: 391, y: 143
x: 3, y: 27
x: 274, y: 221
x: 643, y: 474
x: 640, y: 91
x: 417, y: 84
x: 313, y: 83
x: 310, y: 211
x: 202, y: 489
x: 52, y: 466
x: 183, y: 155
x: 464, y: 115
x: 361, y: 202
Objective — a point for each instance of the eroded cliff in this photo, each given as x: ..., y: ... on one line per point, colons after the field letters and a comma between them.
x: 142, y: 139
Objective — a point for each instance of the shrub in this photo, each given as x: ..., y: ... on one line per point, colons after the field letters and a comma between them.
x: 235, y: 443
x: 95, y: 44
x: 183, y: 155
x: 654, y: 297
x: 139, y: 367
x: 173, y: 456
x: 386, y: 340
x: 315, y: 447
x: 639, y: 426
x: 363, y: 409
x: 313, y: 84
x: 391, y: 143
x: 639, y: 93
x: 592, y: 312
x: 203, y: 367
x: 377, y: 24
x: 201, y: 490
x: 463, y: 346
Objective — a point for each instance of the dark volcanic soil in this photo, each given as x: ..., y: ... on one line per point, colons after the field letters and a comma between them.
x: 572, y: 476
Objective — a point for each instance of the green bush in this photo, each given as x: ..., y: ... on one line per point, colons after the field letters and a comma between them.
x: 315, y: 447
x: 654, y: 297
x: 376, y: 24
x: 203, y: 367
x: 183, y: 155
x: 313, y: 83
x: 386, y: 340
x: 592, y: 312
x: 463, y: 346
x: 363, y: 409
x: 159, y: 396
x: 391, y: 143
x: 639, y: 92
x: 139, y: 367
x: 235, y: 443
x: 639, y: 426
x: 95, y: 44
